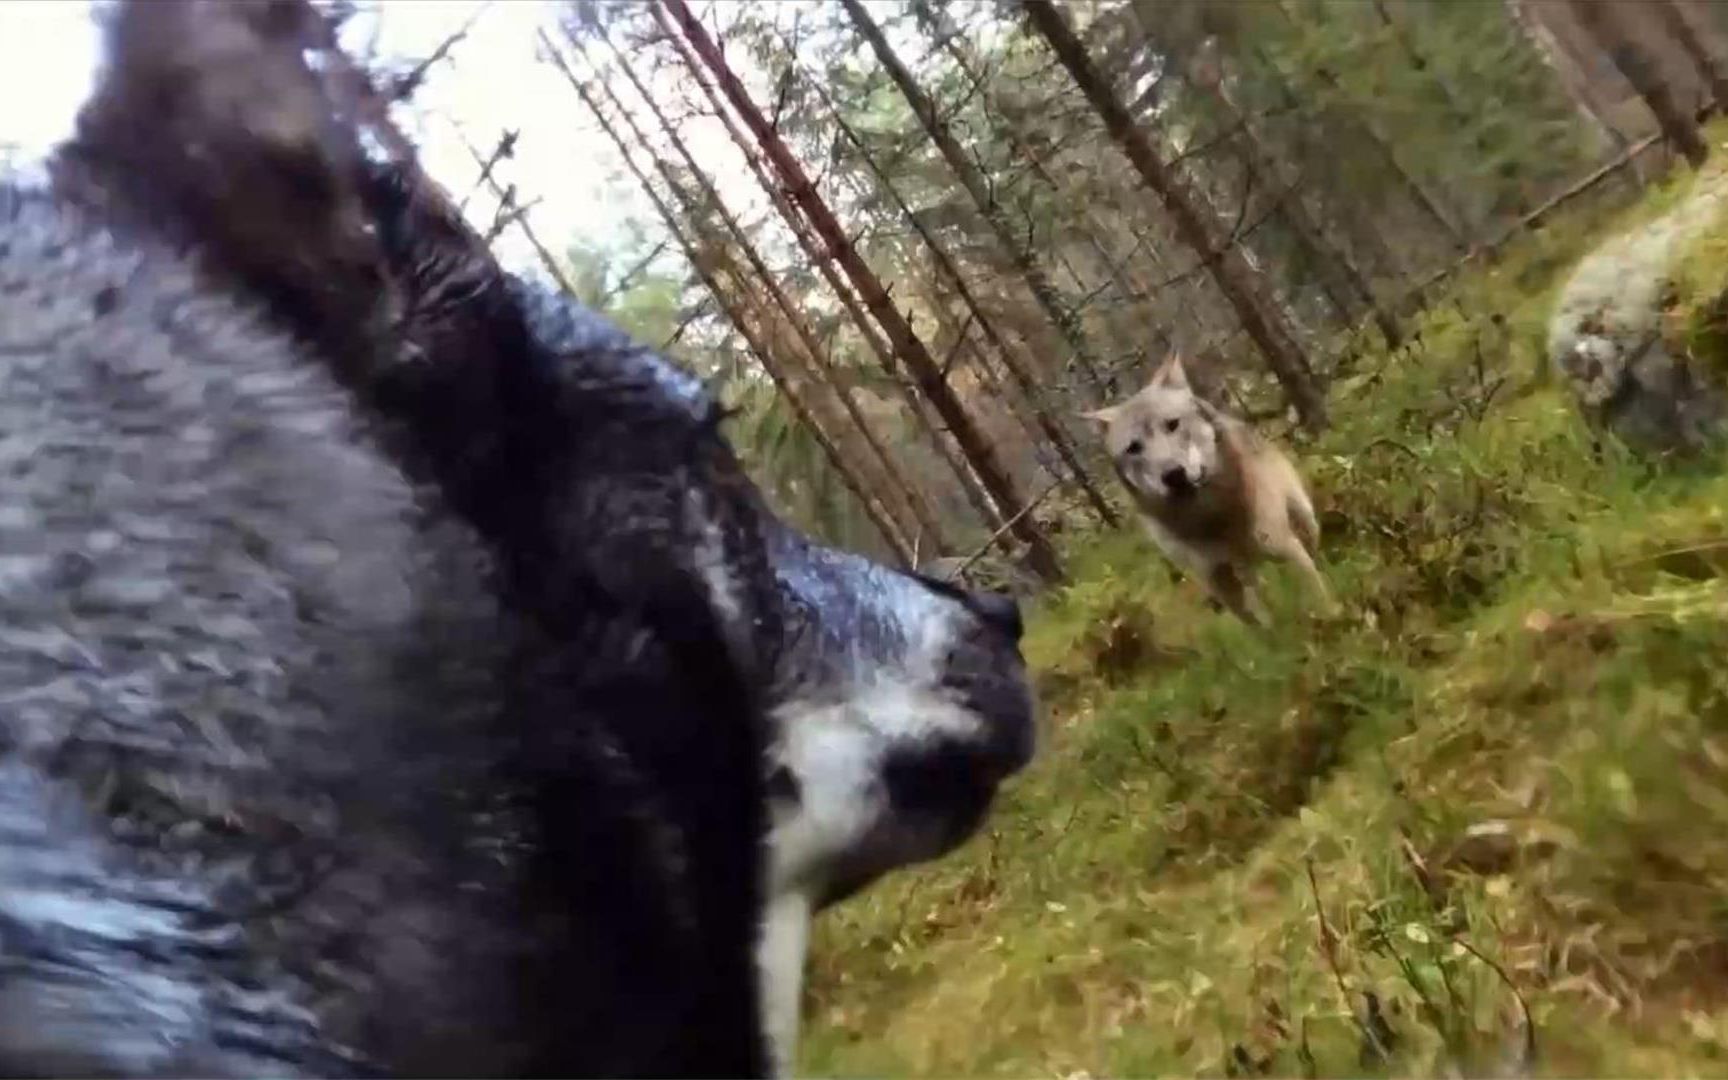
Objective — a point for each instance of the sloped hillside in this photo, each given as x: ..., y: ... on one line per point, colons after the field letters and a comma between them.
x: 1475, y: 824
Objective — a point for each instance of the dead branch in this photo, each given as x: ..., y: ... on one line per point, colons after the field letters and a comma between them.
x: 1329, y: 951
x: 1534, y: 217
x: 1527, y: 1057
x: 403, y: 87
x: 505, y: 196
x: 505, y: 149
x: 966, y: 563
x: 630, y: 275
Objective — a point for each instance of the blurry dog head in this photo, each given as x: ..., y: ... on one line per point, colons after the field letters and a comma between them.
x: 901, y: 703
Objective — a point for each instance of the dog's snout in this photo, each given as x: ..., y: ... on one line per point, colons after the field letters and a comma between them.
x: 1176, y: 481
x: 1001, y: 611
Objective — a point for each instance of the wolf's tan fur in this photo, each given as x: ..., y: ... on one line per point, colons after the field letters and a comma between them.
x: 1215, y: 496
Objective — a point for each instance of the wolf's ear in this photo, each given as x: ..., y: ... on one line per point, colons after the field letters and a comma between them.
x: 1171, y: 374
x: 1101, y: 417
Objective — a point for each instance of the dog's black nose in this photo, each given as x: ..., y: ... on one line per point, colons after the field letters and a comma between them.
x: 999, y: 610
x: 1176, y: 481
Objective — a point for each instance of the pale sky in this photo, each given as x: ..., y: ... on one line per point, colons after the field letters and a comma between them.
x: 495, y: 80
x: 48, y: 53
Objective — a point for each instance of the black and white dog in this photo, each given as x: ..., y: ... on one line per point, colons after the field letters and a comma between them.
x: 398, y: 674
x: 896, y: 703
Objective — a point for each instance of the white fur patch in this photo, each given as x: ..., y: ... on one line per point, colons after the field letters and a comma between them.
x: 835, y: 740
x: 723, y: 589
x: 836, y: 746
x: 780, y: 959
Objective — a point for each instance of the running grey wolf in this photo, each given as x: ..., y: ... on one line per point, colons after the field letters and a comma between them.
x: 1215, y: 496
x: 401, y: 676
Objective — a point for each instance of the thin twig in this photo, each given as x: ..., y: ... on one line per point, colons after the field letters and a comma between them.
x: 630, y: 275
x: 966, y: 564
x: 1529, y: 1054
x: 696, y: 312
x: 547, y: 261
x: 506, y: 148
x: 959, y: 340
x: 509, y: 213
x: 404, y: 87
x: 1329, y: 950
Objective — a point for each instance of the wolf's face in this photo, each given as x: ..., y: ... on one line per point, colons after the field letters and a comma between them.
x: 1163, y: 440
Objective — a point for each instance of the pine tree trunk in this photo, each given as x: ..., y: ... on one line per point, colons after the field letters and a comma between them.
x: 905, y: 497
x: 938, y: 26
x: 907, y: 344
x: 1331, y: 128
x: 1262, y: 320
x: 1384, y: 146
x: 1210, y: 75
x: 1456, y: 111
x: 977, y: 186
x: 1674, y: 21
x: 1606, y: 28
x: 736, y: 312
x: 970, y: 356
x: 1570, y: 76
x: 918, y: 408
x: 1333, y: 261
x: 1019, y: 369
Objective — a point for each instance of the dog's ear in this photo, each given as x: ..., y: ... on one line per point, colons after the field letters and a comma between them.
x: 1171, y: 375
x: 1102, y: 417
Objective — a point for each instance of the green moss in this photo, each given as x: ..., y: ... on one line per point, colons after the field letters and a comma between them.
x: 1698, y: 319
x: 1506, y: 768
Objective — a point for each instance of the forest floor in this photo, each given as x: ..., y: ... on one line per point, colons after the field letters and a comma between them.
x: 1478, y: 824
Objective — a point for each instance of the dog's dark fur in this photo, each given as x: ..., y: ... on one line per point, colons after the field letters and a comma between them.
x: 312, y: 767
x: 495, y: 801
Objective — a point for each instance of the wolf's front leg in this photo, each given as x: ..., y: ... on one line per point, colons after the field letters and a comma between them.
x: 1292, y: 551
x: 1234, y: 588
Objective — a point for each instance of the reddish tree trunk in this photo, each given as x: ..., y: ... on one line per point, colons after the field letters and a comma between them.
x: 1423, y: 199
x: 735, y: 311
x: 1680, y: 28
x: 937, y: 25
x: 1570, y: 74
x: 919, y: 408
x: 972, y: 178
x: 1331, y: 260
x: 907, y: 344
x: 1018, y: 368
x: 895, y: 481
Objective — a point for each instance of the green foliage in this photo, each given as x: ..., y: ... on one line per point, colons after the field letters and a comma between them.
x: 628, y: 287
x: 1473, y: 110
x: 1699, y: 318
x: 793, y: 470
x: 1478, y: 814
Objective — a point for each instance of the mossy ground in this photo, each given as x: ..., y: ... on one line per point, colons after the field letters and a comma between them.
x: 1483, y: 816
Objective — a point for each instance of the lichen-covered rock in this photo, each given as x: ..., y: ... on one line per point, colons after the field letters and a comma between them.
x: 1609, y: 336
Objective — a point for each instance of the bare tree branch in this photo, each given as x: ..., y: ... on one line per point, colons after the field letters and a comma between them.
x: 404, y: 85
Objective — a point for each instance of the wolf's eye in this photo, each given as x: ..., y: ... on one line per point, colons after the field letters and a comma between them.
x: 1134, y: 447
x: 1172, y: 425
